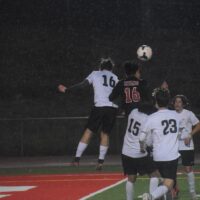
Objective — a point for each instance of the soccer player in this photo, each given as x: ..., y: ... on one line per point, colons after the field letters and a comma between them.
x: 103, y: 113
x: 163, y: 126
x: 186, y: 147
x: 133, y: 160
x: 132, y: 89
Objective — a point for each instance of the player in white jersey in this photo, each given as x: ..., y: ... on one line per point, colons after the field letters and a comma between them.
x: 133, y: 160
x: 104, y: 111
x: 163, y: 126
x: 186, y: 148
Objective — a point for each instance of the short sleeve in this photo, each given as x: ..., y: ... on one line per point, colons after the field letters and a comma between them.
x: 90, y: 78
x: 193, y: 119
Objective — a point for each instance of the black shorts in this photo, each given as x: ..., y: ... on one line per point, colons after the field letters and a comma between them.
x: 141, y: 166
x: 167, y: 169
x: 103, y: 117
x: 187, y: 157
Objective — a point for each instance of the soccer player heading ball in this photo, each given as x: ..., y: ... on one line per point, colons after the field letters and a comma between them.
x: 103, y: 113
x: 132, y: 89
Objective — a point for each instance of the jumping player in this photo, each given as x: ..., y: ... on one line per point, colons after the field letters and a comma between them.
x: 132, y: 89
x: 186, y: 147
x: 163, y: 126
x: 133, y: 160
x: 103, y: 113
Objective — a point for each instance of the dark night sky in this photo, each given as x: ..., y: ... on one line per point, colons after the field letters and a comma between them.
x: 45, y: 42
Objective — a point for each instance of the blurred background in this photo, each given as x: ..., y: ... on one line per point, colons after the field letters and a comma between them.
x: 46, y: 42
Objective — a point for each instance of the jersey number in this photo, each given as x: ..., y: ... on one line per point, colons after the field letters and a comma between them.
x: 169, y: 126
x: 111, y: 81
x: 132, y: 95
x: 134, y: 127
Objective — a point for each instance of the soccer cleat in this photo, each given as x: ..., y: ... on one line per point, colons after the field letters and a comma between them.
x: 193, y: 196
x: 99, y: 166
x: 75, y: 162
x: 147, y: 196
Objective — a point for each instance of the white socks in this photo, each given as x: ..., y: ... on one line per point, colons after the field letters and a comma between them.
x: 80, y: 149
x: 154, y: 181
x: 191, y: 182
x: 102, y: 152
x: 129, y: 190
x: 159, y: 192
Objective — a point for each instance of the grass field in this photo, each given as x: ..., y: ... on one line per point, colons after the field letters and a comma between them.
x: 86, y: 176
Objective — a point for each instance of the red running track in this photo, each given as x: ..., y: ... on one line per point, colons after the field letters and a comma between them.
x: 57, y: 187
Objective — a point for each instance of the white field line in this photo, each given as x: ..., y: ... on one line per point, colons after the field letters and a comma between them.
x: 4, y: 195
x: 103, y: 190
x: 15, y: 188
x: 118, y: 183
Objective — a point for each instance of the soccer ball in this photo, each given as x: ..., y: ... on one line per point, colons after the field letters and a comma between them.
x: 144, y: 53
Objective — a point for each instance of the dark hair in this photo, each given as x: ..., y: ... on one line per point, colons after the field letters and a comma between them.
x: 131, y: 67
x: 146, y: 107
x: 106, y: 63
x: 162, y: 97
x: 183, y: 98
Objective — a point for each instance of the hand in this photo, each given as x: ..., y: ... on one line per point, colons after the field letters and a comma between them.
x: 62, y: 88
x: 142, y: 147
x: 187, y: 141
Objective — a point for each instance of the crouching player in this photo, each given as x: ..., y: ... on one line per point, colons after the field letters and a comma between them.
x: 133, y: 160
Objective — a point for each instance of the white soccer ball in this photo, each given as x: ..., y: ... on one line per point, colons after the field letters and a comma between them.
x: 144, y: 53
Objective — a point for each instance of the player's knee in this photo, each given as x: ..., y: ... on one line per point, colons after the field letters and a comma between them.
x: 86, y: 136
x: 188, y: 169
x: 132, y: 178
x: 168, y: 183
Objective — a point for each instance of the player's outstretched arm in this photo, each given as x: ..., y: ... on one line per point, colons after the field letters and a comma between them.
x: 77, y: 86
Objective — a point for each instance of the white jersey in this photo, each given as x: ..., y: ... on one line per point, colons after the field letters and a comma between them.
x: 163, y: 126
x: 190, y: 120
x: 103, y: 83
x: 131, y: 146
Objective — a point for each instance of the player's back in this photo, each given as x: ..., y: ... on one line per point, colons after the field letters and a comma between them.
x: 131, y: 90
x: 131, y: 146
x: 165, y: 130
x: 103, y: 83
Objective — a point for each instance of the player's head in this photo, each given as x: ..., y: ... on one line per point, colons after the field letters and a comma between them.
x: 179, y: 102
x: 132, y: 69
x: 107, y: 64
x: 162, y: 98
x: 145, y: 107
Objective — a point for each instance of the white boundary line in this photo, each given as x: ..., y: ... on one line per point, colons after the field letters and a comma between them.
x: 102, y: 190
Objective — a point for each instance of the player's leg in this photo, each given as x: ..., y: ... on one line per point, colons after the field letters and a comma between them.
x: 108, y: 120
x: 130, y: 169
x: 168, y: 172
x: 130, y: 185
x: 104, y: 145
x: 91, y: 127
x: 153, y: 173
x: 188, y: 162
x: 191, y: 181
x: 83, y: 143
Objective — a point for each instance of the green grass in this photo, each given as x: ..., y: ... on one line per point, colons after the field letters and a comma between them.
x: 141, y: 186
